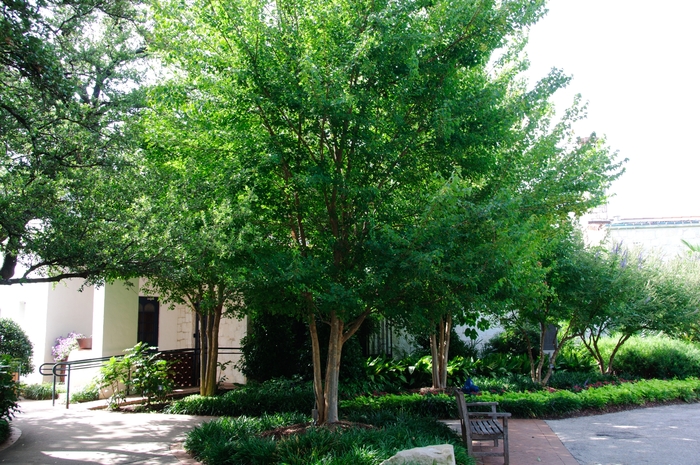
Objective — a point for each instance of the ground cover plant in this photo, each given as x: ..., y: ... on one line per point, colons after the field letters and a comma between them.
x: 290, y: 439
x: 41, y: 391
x: 273, y: 396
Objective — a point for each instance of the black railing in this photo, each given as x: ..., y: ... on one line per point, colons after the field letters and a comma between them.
x: 185, y: 367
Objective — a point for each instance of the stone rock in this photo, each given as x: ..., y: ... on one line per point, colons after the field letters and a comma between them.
x: 443, y: 454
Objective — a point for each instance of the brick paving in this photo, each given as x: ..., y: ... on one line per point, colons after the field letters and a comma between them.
x: 532, y: 442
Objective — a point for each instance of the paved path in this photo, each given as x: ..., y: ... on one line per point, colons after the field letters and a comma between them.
x: 54, y: 435
x: 668, y: 435
x: 651, y: 436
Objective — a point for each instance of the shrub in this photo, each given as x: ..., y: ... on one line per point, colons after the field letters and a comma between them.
x: 4, y: 430
x: 86, y: 394
x: 140, y: 369
x: 275, y: 346
x: 575, y: 358
x: 238, y: 441
x: 37, y: 391
x: 572, y: 380
x: 8, y: 389
x: 657, y: 357
x: 273, y: 396
x: 15, y: 343
x: 150, y: 376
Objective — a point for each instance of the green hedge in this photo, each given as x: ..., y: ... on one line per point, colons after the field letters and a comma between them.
x: 540, y: 404
x: 430, y: 405
x: 274, y: 396
x: 287, y: 396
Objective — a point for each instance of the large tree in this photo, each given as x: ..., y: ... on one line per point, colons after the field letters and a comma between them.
x: 68, y: 87
x: 348, y: 116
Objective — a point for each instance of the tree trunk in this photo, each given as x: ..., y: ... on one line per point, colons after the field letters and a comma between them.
x: 210, y: 357
x: 611, y: 360
x: 318, y: 380
x: 335, y: 347
x: 326, y: 391
x: 440, y: 348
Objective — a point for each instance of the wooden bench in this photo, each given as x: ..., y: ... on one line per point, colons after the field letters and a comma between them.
x: 482, y: 426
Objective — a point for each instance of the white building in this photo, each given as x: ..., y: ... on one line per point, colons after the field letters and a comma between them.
x: 664, y: 236
x: 117, y: 316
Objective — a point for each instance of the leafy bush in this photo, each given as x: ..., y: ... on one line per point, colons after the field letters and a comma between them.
x: 15, y: 343
x: 140, y: 369
x: 508, y: 383
x: 657, y: 357
x: 8, y: 389
x: 574, y: 380
x: 86, y: 394
x: 150, y: 376
x: 36, y: 391
x: 4, y: 430
x: 238, y: 441
x: 575, y: 358
x: 275, y: 346
x: 501, y: 364
x: 273, y: 396
x: 115, y: 379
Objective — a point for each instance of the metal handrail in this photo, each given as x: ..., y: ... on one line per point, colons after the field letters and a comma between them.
x: 64, y: 368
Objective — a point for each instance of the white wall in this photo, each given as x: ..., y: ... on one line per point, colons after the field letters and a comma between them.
x: 663, y: 237
x: 115, y: 324
x: 27, y: 305
x: 68, y: 310
x: 231, y: 331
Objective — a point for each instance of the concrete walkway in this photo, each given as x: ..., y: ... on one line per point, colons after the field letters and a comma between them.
x: 78, y: 436
x: 668, y: 435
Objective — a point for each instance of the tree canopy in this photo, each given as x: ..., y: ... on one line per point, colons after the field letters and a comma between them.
x: 68, y: 88
x: 348, y: 118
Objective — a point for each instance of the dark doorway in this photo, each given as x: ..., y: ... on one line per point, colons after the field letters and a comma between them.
x: 148, y: 320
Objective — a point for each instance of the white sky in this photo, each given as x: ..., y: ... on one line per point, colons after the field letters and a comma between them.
x: 637, y: 63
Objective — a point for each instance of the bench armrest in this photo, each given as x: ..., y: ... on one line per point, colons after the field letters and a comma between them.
x: 476, y: 404
x: 489, y: 414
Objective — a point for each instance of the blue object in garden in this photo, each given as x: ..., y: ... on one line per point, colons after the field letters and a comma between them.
x: 470, y: 388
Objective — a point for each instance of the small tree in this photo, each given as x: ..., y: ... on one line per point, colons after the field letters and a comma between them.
x: 15, y: 343
x: 624, y: 293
